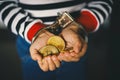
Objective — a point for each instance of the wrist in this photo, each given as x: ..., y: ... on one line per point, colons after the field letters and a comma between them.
x: 42, y: 33
x: 38, y: 33
x: 34, y: 29
x: 78, y: 29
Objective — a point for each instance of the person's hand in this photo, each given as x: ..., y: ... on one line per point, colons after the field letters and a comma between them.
x: 75, y: 45
x: 45, y: 63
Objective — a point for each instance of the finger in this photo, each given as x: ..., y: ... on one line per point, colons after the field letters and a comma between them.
x: 56, y: 61
x: 51, y: 64
x: 84, y: 49
x: 82, y: 52
x: 43, y: 65
x: 66, y: 56
x: 77, y: 47
x: 60, y: 56
x: 73, y: 53
x: 75, y: 57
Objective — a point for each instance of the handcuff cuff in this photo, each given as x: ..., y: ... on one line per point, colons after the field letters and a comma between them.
x: 63, y: 21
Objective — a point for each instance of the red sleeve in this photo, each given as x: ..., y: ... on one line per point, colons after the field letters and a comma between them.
x: 88, y: 20
x: 34, y: 29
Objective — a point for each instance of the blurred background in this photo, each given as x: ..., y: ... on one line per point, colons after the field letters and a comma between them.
x: 103, y: 51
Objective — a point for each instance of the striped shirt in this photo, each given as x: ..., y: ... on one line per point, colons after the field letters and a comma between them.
x: 26, y: 17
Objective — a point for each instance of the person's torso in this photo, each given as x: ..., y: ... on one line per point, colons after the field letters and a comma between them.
x: 47, y: 10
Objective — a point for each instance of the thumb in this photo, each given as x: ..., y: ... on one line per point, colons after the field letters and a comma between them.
x: 77, y: 47
x: 35, y: 55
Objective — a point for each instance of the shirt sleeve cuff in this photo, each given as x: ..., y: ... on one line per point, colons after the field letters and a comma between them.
x: 34, y: 29
x: 88, y: 19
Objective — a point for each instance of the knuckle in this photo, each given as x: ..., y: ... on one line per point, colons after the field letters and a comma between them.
x: 33, y: 58
x: 77, y: 59
x: 44, y: 69
x: 52, y: 69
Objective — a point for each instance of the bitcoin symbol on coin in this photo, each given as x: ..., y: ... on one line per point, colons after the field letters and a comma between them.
x: 57, y: 41
x: 55, y: 45
x: 49, y: 50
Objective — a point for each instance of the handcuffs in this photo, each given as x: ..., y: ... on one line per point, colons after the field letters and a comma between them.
x: 63, y: 20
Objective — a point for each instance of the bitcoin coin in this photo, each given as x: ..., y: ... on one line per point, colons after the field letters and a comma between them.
x: 57, y: 41
x: 48, y: 50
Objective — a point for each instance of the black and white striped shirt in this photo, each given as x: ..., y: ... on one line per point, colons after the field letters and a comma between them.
x: 21, y: 15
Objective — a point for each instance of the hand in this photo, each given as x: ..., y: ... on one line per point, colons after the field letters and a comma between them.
x: 73, y: 40
x: 45, y: 63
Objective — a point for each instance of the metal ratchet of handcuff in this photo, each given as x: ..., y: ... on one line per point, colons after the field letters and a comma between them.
x: 62, y: 21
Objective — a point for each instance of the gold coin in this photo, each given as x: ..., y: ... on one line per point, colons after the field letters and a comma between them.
x: 57, y: 41
x: 48, y: 50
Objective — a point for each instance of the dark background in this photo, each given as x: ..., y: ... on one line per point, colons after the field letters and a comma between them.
x: 103, y: 52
